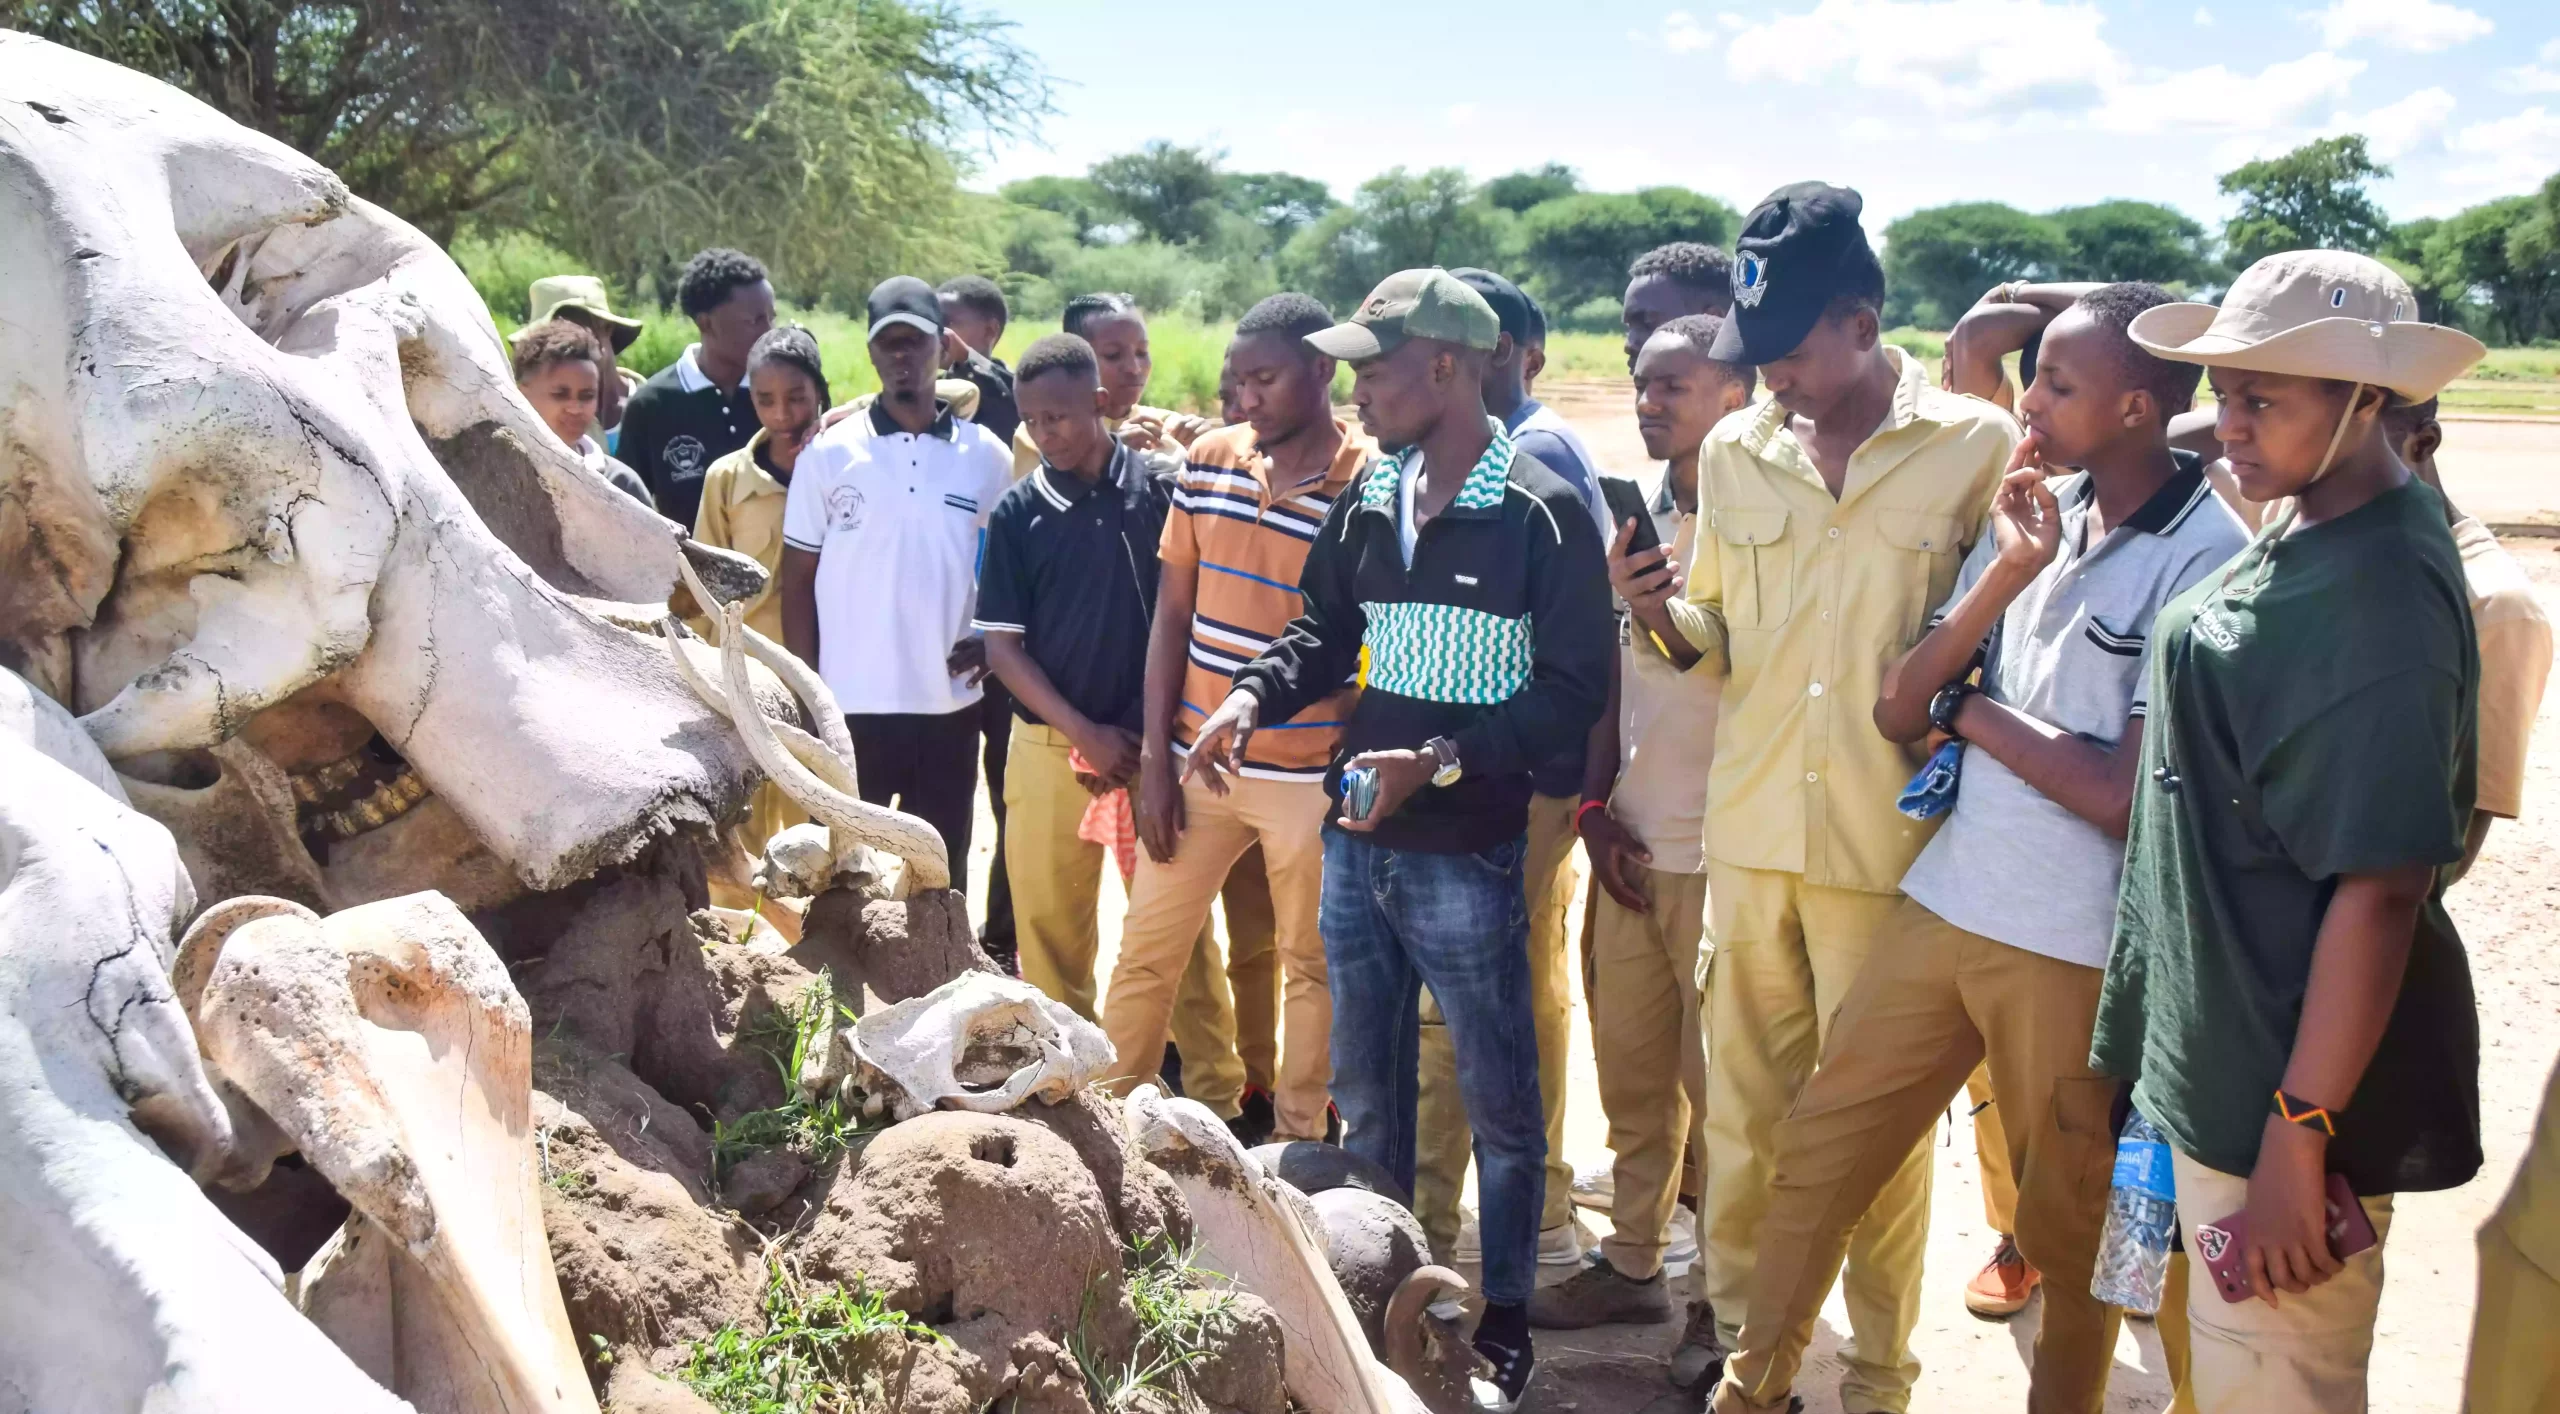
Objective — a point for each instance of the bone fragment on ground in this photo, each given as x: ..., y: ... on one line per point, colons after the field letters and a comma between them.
x: 389, y: 1043
x: 980, y: 1042
x: 1249, y: 1231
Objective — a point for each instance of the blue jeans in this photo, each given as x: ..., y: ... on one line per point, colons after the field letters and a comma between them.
x: 1396, y: 921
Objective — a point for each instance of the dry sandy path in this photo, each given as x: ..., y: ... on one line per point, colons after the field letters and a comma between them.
x: 2509, y: 914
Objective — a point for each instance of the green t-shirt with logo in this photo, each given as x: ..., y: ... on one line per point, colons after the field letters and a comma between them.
x: 2311, y: 715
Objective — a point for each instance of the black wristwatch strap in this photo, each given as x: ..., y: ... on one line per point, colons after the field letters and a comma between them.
x: 1943, y: 707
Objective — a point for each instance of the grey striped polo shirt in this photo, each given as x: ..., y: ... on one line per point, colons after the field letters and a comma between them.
x: 2072, y: 650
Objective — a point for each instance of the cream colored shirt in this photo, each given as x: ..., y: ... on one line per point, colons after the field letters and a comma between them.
x: 742, y: 510
x: 1666, y: 730
x: 2515, y: 663
x: 1801, y: 601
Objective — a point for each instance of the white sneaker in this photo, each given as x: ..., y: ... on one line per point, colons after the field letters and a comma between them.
x: 1565, y: 1244
x: 1682, y: 1251
x: 1595, y: 1185
x: 1561, y: 1246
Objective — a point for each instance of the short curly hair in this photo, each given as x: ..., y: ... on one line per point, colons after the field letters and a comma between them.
x: 1699, y: 332
x: 1691, y: 265
x: 1084, y: 311
x: 1059, y: 353
x: 1289, y: 313
x: 978, y: 295
x: 538, y: 346
x: 711, y: 277
x: 2172, y: 385
x: 793, y: 347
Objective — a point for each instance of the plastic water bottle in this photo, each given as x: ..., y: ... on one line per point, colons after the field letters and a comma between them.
x: 2142, y: 1219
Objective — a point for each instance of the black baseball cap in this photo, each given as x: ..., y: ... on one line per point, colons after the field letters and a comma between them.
x: 904, y: 299
x: 1800, y: 248
x: 1512, y: 308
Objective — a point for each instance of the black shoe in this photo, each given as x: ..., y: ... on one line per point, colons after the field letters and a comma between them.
x: 1697, y: 1361
x: 1170, y: 1073
x: 1255, y: 1120
x: 1502, y: 1339
x: 1332, y: 1123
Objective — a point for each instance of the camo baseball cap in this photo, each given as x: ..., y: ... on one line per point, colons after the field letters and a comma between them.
x: 1412, y: 304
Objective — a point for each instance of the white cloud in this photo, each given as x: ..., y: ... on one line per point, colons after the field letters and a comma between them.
x: 2395, y: 130
x: 1459, y: 115
x: 2204, y: 18
x: 2535, y: 78
x: 2419, y: 26
x: 2214, y: 99
x: 2510, y: 154
x: 1682, y: 34
x: 1952, y: 56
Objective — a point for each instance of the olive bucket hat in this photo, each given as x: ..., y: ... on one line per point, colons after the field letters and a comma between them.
x: 2315, y: 314
x: 585, y: 295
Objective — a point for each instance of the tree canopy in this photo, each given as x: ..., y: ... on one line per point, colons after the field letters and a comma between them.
x: 2136, y: 240
x: 1938, y: 261
x: 1578, y: 247
x: 1519, y: 191
x: 825, y: 135
x: 2310, y: 198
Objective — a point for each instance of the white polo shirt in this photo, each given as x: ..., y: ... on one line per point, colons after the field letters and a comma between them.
x: 894, y: 518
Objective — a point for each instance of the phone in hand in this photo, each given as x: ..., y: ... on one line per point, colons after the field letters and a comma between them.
x: 1359, y: 792
x: 2224, y: 1245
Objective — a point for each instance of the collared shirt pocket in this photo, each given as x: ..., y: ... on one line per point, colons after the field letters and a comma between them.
x: 1932, y: 548
x: 1758, y: 570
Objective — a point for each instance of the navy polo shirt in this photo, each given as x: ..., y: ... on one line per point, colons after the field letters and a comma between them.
x: 1072, y: 568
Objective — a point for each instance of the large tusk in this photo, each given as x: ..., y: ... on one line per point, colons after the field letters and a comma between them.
x: 802, y: 679
x: 852, y: 820
x: 819, y: 757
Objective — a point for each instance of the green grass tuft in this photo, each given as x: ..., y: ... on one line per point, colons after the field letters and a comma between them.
x: 817, y: 1129
x: 1176, y: 1329
x: 825, y: 1350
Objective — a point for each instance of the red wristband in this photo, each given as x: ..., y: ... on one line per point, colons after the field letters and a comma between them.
x: 1587, y: 807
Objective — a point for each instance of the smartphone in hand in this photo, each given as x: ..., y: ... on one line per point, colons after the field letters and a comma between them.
x: 2224, y: 1245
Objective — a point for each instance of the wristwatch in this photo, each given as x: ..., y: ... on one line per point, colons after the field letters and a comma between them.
x: 1943, y: 707
x: 1445, y: 752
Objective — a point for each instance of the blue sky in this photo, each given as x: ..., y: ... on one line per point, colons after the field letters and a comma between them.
x: 1914, y: 102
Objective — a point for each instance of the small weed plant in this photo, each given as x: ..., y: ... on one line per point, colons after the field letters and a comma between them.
x: 1177, y: 1329
x: 826, y: 1349
x: 817, y: 1129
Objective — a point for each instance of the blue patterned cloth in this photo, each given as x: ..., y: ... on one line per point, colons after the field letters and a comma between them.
x: 1442, y: 653
x: 1932, y: 793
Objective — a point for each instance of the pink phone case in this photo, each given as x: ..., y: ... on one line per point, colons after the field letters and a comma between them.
x: 2223, y: 1245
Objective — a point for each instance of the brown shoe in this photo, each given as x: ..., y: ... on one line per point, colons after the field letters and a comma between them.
x: 1697, y: 1361
x: 2000, y: 1290
x: 1599, y: 1296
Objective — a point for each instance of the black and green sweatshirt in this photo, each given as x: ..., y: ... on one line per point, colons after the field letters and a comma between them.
x: 1498, y: 636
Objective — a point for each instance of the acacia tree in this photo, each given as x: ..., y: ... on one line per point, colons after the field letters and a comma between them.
x: 1398, y: 220
x: 1938, y: 261
x: 1578, y: 247
x: 1170, y: 191
x: 2310, y: 198
x: 824, y: 135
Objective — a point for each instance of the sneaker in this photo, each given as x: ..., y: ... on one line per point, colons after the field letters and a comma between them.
x: 1595, y: 1185
x: 1169, y: 1073
x: 1697, y: 1361
x: 2000, y: 1290
x: 1680, y: 1253
x: 1332, y: 1123
x: 1502, y: 1339
x: 1255, y: 1120
x: 1600, y: 1295
x: 1565, y: 1244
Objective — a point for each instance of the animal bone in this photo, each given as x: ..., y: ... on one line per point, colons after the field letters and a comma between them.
x: 124, y: 1289
x: 262, y: 463
x: 1251, y: 1232
x: 979, y: 1042
x: 389, y: 1043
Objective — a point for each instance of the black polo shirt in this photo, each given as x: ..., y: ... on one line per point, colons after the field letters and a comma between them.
x: 1072, y: 568
x: 997, y: 411
x: 676, y: 425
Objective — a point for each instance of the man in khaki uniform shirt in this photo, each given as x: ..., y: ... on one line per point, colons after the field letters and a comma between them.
x: 1837, y: 516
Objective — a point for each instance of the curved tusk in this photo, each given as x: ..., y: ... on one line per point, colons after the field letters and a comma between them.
x: 820, y: 758
x: 802, y: 679
x: 854, y: 821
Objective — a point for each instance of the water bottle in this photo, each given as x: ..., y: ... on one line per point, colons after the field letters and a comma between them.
x: 2142, y: 1220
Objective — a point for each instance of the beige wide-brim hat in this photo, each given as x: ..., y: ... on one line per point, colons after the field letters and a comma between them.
x: 585, y: 293
x: 2315, y: 314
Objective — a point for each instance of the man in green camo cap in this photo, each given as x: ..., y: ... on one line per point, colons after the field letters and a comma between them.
x: 1470, y: 573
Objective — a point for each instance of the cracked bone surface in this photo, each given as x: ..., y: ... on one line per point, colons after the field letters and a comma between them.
x: 124, y: 1288
x: 389, y: 1044
x: 264, y: 471
x: 1249, y: 1230
x: 980, y: 1041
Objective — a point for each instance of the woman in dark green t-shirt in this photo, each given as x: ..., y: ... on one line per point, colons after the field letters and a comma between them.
x: 2285, y: 989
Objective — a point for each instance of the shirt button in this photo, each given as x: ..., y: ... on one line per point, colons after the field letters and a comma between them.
x: 1814, y: 691
x: 1826, y: 616
x: 1812, y: 776
x: 1835, y: 532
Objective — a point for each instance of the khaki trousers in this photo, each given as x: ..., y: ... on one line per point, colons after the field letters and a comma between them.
x: 1443, y: 1142
x: 1168, y: 905
x: 2515, y: 1362
x: 2305, y: 1355
x: 1991, y: 1154
x: 1642, y: 980
x: 1057, y: 890
x: 1786, y: 954
x: 1933, y: 1003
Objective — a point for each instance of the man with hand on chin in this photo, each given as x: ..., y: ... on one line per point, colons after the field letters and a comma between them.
x: 1471, y: 575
